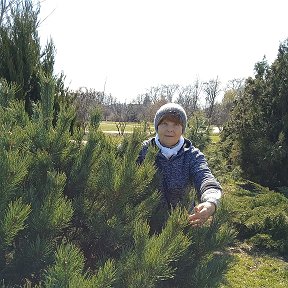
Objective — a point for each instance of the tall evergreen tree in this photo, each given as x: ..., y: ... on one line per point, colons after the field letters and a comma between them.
x: 21, y: 58
x: 256, y: 135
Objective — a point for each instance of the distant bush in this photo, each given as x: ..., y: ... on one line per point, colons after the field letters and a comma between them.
x: 198, y: 130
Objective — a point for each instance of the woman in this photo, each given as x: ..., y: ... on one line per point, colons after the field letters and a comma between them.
x: 181, y: 165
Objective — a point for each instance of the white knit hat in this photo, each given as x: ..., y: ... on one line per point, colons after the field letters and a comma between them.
x: 170, y: 108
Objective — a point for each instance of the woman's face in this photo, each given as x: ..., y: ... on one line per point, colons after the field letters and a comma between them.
x: 169, y: 132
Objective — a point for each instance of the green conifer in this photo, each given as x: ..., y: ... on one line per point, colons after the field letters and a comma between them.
x: 77, y: 213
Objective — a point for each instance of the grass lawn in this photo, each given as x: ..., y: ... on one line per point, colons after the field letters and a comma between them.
x: 215, y: 138
x: 108, y: 126
x: 255, y: 271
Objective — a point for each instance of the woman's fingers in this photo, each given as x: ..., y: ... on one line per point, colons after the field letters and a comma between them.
x: 201, y: 214
x: 198, y: 218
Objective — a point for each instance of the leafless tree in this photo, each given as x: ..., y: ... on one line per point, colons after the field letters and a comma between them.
x: 150, y: 101
x: 236, y: 86
x: 219, y: 116
x: 154, y: 93
x: 163, y: 93
x: 121, y: 125
x: 119, y: 112
x: 233, y: 91
x: 168, y: 91
x: 188, y: 96
x: 87, y: 99
x: 235, y: 83
x: 142, y: 105
x: 211, y: 90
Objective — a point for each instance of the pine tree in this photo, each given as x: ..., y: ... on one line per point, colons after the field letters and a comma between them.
x: 32, y: 184
x: 82, y: 213
x: 21, y: 58
x: 77, y: 213
x: 256, y: 135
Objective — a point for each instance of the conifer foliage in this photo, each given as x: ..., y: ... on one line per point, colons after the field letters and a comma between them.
x: 21, y: 58
x: 78, y: 215
x: 256, y: 136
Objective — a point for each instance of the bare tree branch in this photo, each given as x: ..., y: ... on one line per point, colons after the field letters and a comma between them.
x: 211, y: 90
x: 188, y: 96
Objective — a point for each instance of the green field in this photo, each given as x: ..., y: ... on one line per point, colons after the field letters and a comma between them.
x: 255, y: 270
x: 110, y: 126
x: 215, y: 138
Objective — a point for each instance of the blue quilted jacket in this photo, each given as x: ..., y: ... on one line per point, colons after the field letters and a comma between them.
x: 189, y: 167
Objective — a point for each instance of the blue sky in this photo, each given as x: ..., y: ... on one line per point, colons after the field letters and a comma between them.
x: 132, y: 45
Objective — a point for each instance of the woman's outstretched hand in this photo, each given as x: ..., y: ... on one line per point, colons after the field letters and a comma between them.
x: 201, y: 213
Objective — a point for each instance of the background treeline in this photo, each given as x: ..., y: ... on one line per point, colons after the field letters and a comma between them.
x: 86, y: 215
x: 199, y: 96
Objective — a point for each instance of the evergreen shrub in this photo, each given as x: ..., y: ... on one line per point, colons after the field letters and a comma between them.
x: 198, y: 130
x: 260, y: 216
x: 256, y: 135
x: 80, y: 214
